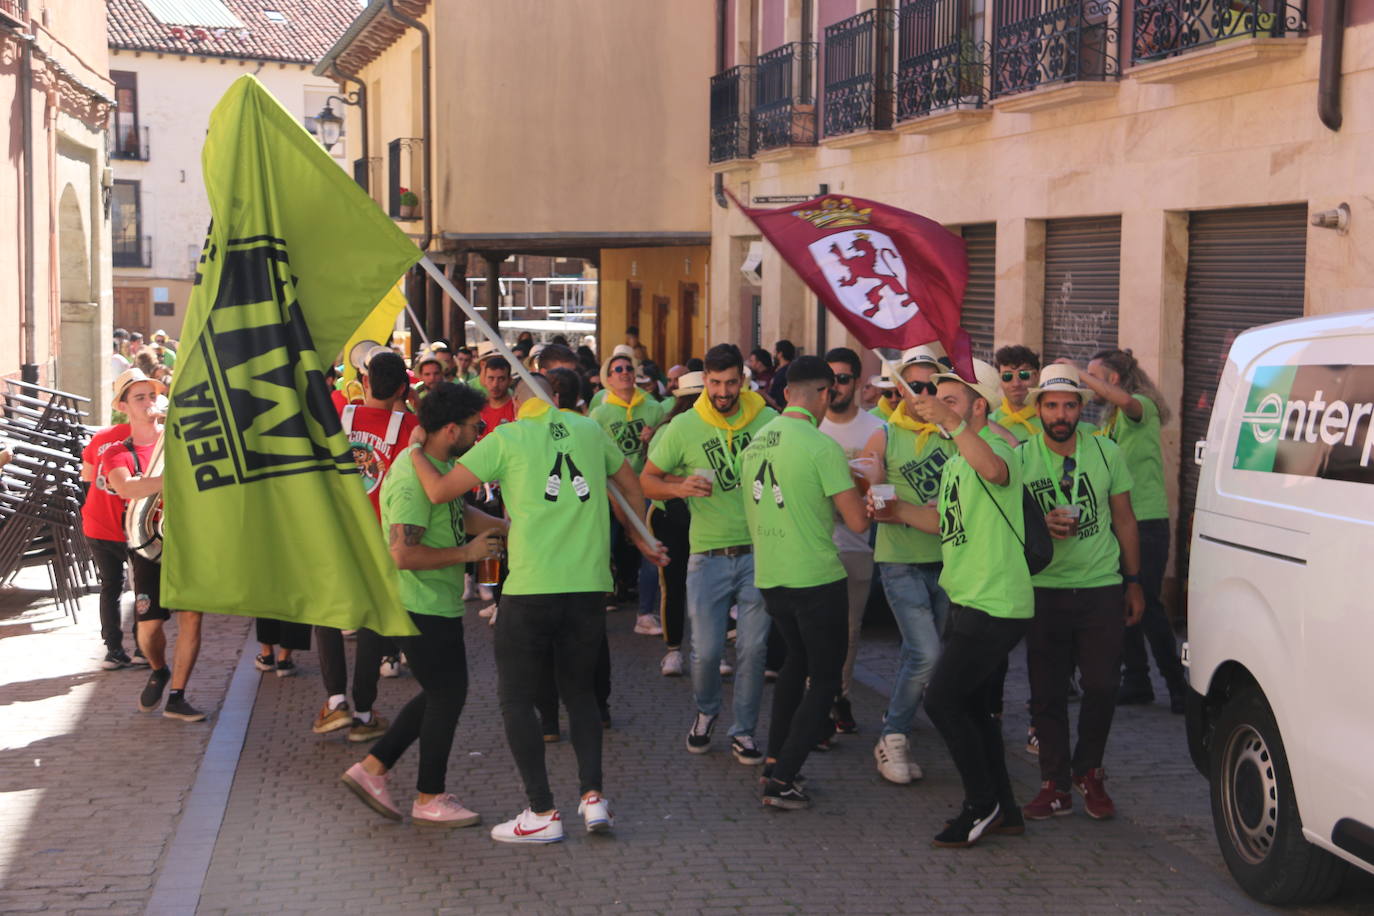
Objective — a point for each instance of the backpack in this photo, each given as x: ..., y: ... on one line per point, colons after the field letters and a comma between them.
x: 1037, y: 545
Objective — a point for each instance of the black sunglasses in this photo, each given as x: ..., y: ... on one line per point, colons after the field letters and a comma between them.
x: 923, y: 387
x: 1023, y: 374
x: 843, y: 378
x: 890, y: 392
x: 622, y: 368
x: 1066, y: 482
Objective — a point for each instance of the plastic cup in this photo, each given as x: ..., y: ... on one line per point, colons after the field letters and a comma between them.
x: 489, y: 571
x: 708, y: 473
x: 864, y: 471
x: 884, y: 501
x: 1073, y: 512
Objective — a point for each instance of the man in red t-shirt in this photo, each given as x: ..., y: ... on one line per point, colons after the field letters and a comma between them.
x: 378, y: 429
x: 102, y: 521
x: 500, y: 405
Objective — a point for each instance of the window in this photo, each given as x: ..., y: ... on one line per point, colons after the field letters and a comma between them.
x: 164, y: 309
x: 127, y: 137
x: 126, y: 226
x: 274, y: 15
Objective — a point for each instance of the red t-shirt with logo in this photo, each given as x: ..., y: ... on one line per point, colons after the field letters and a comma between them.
x: 102, y: 516
x: 120, y: 457
x: 375, y: 436
x: 495, y: 416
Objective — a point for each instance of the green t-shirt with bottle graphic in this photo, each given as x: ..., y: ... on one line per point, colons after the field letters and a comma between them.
x: 553, y: 469
x: 916, y: 476
x: 789, y: 472
x: 1092, y: 558
x: 437, y: 592
x: 688, y: 443
x: 981, y: 535
x: 625, y: 431
x: 1139, y: 442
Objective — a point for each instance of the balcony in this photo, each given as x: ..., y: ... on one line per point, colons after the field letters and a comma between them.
x: 1041, y: 43
x: 1168, y: 28
x: 129, y: 143
x: 14, y: 12
x: 858, y: 74
x: 405, y: 173
x: 730, y: 91
x: 941, y: 67
x: 784, y: 114
x: 131, y: 250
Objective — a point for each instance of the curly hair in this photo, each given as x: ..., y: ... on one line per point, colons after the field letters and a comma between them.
x: 1133, y: 379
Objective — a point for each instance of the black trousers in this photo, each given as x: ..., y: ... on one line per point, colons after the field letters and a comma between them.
x: 367, y: 661
x: 1074, y: 626
x: 1154, y: 626
x: 814, y: 622
x: 110, y: 557
x: 963, y: 694
x: 438, y: 659
x: 573, y: 626
x: 284, y: 633
x: 546, y: 700
x: 670, y: 525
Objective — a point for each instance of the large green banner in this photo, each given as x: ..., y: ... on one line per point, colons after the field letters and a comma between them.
x: 265, y: 513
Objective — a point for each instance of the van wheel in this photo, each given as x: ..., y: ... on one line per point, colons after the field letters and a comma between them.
x: 1255, y: 813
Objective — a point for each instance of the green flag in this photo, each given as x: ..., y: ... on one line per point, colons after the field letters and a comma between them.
x: 265, y: 514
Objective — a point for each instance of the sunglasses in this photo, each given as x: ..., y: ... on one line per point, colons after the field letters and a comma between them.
x: 843, y: 378
x: 922, y: 387
x: 622, y: 368
x: 1023, y: 374
x: 890, y: 392
x: 1066, y: 482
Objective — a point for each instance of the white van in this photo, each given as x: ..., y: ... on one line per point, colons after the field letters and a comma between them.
x: 1280, y: 650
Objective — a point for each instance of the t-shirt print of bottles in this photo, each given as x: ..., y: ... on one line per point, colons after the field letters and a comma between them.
x: 553, y: 488
x: 766, y: 471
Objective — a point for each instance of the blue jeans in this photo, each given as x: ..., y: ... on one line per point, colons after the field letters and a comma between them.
x: 920, y: 606
x: 713, y: 584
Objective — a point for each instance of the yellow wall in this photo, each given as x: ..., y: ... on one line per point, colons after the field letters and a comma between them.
x: 658, y: 272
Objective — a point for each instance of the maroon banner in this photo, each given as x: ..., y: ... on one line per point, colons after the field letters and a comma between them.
x: 893, y: 278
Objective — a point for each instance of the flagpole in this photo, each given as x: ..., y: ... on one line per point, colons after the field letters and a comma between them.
x: 481, y: 323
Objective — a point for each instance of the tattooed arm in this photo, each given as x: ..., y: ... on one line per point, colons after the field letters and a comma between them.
x: 409, y: 553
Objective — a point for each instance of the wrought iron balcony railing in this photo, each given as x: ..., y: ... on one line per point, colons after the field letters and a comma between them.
x: 1163, y: 28
x: 941, y: 64
x: 730, y: 94
x: 858, y: 73
x: 131, y: 251
x: 784, y: 112
x: 15, y: 10
x: 1035, y: 45
x: 129, y: 143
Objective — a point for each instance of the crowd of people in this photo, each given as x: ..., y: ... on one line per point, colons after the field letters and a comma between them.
x: 781, y: 490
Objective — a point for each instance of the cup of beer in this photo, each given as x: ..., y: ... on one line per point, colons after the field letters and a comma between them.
x: 1072, y: 512
x: 864, y: 471
x: 489, y: 570
x: 884, y: 501
x: 708, y: 473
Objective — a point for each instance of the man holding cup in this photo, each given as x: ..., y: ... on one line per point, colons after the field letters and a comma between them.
x: 1082, y: 483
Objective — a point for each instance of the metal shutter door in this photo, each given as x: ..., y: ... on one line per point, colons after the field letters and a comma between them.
x: 1245, y: 268
x: 979, y: 298
x: 1082, y: 284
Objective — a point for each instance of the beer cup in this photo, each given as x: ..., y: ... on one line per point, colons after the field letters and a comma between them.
x: 884, y: 502
x: 708, y: 473
x: 1073, y: 512
x: 489, y: 571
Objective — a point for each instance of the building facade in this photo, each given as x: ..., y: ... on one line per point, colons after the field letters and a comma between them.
x: 55, y: 100
x: 171, y: 61
x: 1134, y: 173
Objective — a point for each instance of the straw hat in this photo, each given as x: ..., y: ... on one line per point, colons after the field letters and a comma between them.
x: 1059, y: 377
x: 621, y: 351
x: 986, y: 384
x: 690, y: 383
x: 881, y: 381
x: 128, y: 378
x: 928, y: 354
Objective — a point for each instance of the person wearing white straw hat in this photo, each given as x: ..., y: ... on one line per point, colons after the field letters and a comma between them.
x: 1082, y: 483
x: 621, y: 351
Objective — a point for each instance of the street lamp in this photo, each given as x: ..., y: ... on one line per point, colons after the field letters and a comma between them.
x: 329, y: 124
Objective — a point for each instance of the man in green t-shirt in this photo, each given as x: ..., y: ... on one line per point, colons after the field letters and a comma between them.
x: 553, y: 465
x: 427, y: 543
x: 1136, y: 411
x: 795, y: 479
x: 696, y: 458
x: 1017, y: 367
x: 979, y: 520
x: 1084, y: 487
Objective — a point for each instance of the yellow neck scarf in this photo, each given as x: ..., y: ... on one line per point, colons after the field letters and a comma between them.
x: 899, y: 417
x: 750, y: 404
x: 635, y: 400
x: 884, y: 408
x: 1023, y: 416
x: 537, y: 407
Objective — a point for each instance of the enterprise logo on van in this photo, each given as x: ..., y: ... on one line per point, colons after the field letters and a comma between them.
x: 1313, y: 421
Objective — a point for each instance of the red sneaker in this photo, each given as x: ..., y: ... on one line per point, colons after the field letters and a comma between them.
x: 1049, y: 803
x: 1096, y: 801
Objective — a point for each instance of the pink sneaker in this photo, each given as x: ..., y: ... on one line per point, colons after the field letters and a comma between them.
x: 444, y: 811
x: 371, y: 789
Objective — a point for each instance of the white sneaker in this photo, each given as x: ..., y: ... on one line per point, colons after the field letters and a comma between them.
x: 914, y: 768
x: 671, y: 666
x: 647, y: 625
x: 528, y: 827
x: 890, y: 752
x: 596, y: 812
x: 391, y: 666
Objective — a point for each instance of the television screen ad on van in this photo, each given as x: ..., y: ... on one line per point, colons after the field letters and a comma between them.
x: 1312, y: 421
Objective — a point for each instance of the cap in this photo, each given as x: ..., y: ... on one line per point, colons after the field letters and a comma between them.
x: 129, y: 377
x: 930, y: 353
x: 1059, y: 377
x: 987, y: 383
x: 690, y: 383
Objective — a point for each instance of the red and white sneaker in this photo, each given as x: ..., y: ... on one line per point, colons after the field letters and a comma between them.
x: 528, y: 827
x: 1050, y: 802
x: 1096, y: 801
x: 444, y: 811
x: 372, y: 790
x: 596, y: 812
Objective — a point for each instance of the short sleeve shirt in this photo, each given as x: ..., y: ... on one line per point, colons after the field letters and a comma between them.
x: 688, y: 443
x: 791, y: 470
x: 852, y: 437
x: 102, y: 515
x: 625, y: 426
x: 497, y: 416
x: 981, y: 532
x: 553, y: 471
x: 117, y: 456
x: 1092, y: 559
x: 914, y: 468
x: 1139, y: 442
x: 374, y: 450
x: 437, y: 592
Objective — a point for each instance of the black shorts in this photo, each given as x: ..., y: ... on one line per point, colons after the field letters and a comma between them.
x: 147, y: 589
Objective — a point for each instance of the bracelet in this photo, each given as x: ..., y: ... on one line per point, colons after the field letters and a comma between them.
x: 1130, y: 579
x: 956, y: 431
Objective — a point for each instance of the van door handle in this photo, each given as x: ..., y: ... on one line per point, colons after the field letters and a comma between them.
x: 1199, y: 448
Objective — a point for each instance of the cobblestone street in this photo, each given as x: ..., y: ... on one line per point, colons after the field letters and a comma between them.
x: 104, y: 808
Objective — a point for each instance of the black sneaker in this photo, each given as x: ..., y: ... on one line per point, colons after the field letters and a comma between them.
x: 699, y: 737
x: 115, y: 659
x: 178, y: 708
x: 1135, y: 695
x: 799, y: 780
x: 785, y: 795
x: 843, y: 715
x: 745, y: 751
x: 264, y: 662
x: 286, y: 667
x: 139, y: 660
x: 151, y: 696
x: 968, y: 828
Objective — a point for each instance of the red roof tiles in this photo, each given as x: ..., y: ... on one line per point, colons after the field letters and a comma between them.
x: 310, y: 28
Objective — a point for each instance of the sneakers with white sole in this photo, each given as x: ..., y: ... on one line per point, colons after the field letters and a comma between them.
x: 891, y: 754
x: 444, y: 811
x: 699, y: 737
x: 595, y: 811
x: 647, y: 625
x: 671, y: 666
x: 528, y: 827
x: 746, y: 751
